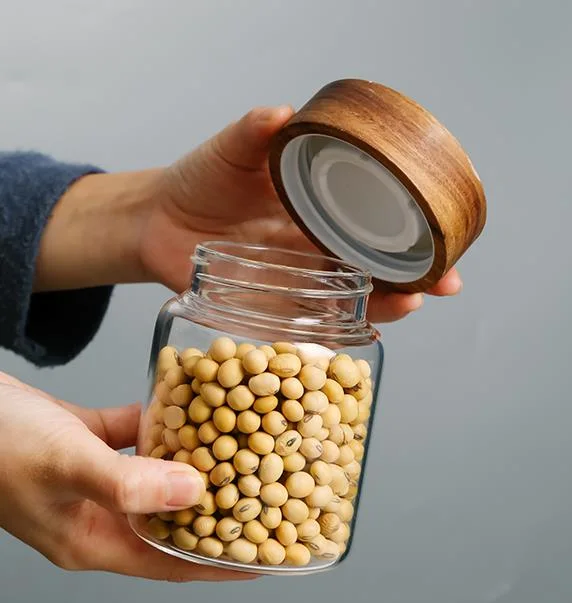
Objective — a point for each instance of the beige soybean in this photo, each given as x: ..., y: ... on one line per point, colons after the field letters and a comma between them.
x: 207, y: 506
x: 310, y: 426
x: 242, y: 550
x: 255, y: 532
x: 323, y: 434
x: 265, y: 404
x: 292, y: 388
x: 249, y: 485
x: 184, y: 517
x: 255, y: 362
x: 315, y: 402
x: 189, y: 437
x: 206, y: 370
x: 242, y: 349
x: 293, y: 410
x: 307, y: 530
x: 320, y: 497
x: 348, y: 409
x: 268, y: 351
x: 270, y: 517
x: 363, y: 415
x: 170, y: 438
x: 360, y: 433
x: 181, y: 395
x: 340, y: 483
x: 329, y: 524
x: 346, y: 455
x: 332, y: 416
x: 224, y: 419
x: 346, y: 511
x: 191, y: 352
x: 284, y: 347
x: 295, y: 511
x: 261, y: 443
x: 298, y: 555
x: 174, y: 417
x: 213, y: 394
x: 203, y: 459
x: 228, y: 529
x: 271, y: 468
x: 204, y: 526
x: 345, y: 372
x: 222, y: 348
x: 184, y: 539
x: 189, y: 364
x: 317, y: 545
x: 353, y: 469
x: 271, y: 552
x: 358, y: 449
x: 334, y: 505
x: 175, y: 376
x: 208, y: 432
x: 246, y: 462
x: 300, y: 484
x: 314, y: 513
x: 311, y: 448
x: 240, y: 398
x: 312, y: 377
x: 330, y: 451
x: 321, y: 472
x: 199, y: 411
x: 288, y: 443
x: 184, y: 456
x: 348, y: 433
x: 274, y: 423
x: 227, y: 496
x: 196, y: 386
x: 359, y: 391
x: 265, y: 384
x: 294, y: 462
x: 210, y: 547
x: 286, y: 533
x: 341, y: 534
x: 159, y: 452
x: 248, y: 421
x: 334, y: 391
x: 167, y: 358
x: 336, y: 435
x: 158, y: 528
x: 155, y: 433
x: 330, y: 551
x: 230, y: 373
x: 274, y: 495
x: 285, y: 365
x: 364, y: 368
x: 247, y: 509
x: 222, y: 474
x: 205, y: 477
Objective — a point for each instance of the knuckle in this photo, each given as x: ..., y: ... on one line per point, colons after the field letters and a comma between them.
x: 126, y: 489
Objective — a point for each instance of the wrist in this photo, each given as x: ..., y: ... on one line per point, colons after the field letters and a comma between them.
x: 93, y: 235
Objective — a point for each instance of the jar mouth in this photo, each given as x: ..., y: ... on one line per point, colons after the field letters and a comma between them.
x: 299, y: 271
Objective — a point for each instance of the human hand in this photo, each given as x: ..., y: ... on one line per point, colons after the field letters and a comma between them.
x: 66, y: 490
x: 143, y: 226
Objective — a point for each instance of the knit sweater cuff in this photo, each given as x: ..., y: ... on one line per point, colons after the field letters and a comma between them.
x: 47, y: 329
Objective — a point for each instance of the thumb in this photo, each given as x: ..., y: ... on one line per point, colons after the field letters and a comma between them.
x: 244, y: 144
x: 132, y: 484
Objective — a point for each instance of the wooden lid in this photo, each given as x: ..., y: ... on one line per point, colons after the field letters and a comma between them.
x: 374, y: 179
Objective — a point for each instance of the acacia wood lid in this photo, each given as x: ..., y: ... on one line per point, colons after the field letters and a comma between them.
x: 374, y: 179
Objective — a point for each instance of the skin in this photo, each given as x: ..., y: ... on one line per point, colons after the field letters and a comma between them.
x: 65, y: 487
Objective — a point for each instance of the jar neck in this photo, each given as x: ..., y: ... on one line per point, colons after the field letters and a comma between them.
x: 281, y: 289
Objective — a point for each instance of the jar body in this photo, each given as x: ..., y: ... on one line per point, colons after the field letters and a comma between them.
x: 277, y: 418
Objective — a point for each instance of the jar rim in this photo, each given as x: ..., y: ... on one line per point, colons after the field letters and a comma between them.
x: 230, y: 250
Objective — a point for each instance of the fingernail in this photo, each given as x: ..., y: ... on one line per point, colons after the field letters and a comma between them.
x: 184, y: 489
x: 270, y: 113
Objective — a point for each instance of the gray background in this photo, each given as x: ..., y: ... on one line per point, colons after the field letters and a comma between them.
x: 469, y: 494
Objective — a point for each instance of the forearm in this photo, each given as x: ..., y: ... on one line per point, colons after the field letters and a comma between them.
x: 92, y: 237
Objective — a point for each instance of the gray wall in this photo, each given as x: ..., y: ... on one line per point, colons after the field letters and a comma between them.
x: 469, y: 494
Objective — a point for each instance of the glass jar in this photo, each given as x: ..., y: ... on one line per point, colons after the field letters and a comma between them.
x: 264, y: 375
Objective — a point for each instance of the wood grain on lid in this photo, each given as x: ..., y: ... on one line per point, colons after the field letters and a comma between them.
x: 423, y: 155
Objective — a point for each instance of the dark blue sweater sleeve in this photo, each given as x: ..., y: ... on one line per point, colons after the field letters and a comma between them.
x: 47, y: 329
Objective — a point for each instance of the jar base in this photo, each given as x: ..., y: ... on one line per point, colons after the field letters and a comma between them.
x: 136, y: 524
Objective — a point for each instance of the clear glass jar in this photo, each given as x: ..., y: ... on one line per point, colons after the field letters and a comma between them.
x: 264, y: 375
